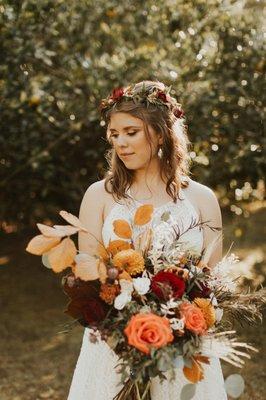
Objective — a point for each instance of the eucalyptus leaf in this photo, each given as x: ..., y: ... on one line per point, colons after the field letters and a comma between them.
x: 45, y: 261
x: 188, y: 392
x: 234, y: 385
x: 179, y: 362
x: 165, y: 216
x: 187, y: 362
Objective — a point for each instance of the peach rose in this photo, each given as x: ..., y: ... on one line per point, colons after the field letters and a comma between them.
x: 194, y: 318
x: 148, y: 330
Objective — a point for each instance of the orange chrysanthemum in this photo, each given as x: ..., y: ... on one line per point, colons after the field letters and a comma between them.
x: 118, y: 245
x: 109, y: 292
x: 207, y: 310
x: 129, y: 260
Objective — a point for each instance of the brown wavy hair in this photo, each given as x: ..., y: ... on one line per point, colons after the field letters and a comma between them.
x: 174, y: 161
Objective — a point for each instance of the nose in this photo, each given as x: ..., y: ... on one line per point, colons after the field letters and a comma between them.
x: 121, y: 141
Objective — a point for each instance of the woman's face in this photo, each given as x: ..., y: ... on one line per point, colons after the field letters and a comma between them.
x: 126, y: 133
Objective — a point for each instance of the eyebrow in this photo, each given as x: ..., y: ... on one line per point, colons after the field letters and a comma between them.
x: 125, y: 128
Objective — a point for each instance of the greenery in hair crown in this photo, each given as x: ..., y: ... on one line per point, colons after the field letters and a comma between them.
x: 158, y: 97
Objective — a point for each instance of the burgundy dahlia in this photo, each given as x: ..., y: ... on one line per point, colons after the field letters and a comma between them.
x: 167, y: 284
x: 204, y: 292
x: 86, y: 310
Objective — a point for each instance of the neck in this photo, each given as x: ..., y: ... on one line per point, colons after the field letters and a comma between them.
x: 149, y: 176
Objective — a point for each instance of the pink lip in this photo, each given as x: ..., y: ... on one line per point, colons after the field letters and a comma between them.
x: 126, y: 154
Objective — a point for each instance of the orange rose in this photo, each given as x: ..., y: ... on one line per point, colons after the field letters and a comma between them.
x: 148, y: 330
x: 194, y: 318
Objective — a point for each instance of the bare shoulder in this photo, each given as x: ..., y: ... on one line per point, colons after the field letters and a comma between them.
x: 205, y: 200
x: 202, y: 192
x: 95, y: 192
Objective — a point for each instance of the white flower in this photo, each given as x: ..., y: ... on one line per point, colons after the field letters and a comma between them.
x: 167, y: 308
x: 219, y: 314
x: 121, y: 300
x: 177, y: 324
x: 126, y: 286
x: 213, y: 300
x: 141, y: 285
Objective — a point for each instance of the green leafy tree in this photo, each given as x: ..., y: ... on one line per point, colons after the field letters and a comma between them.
x: 59, y: 58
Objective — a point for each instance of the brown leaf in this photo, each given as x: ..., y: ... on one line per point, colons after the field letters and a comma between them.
x: 118, y: 245
x: 102, y: 252
x: 202, y: 359
x: 122, y: 228
x: 68, y: 230
x: 41, y: 244
x: 62, y: 256
x: 195, y: 373
x: 58, y: 230
x: 76, y: 288
x: 102, y: 270
x: 86, y: 267
x: 143, y: 214
x: 73, y: 220
x: 143, y: 241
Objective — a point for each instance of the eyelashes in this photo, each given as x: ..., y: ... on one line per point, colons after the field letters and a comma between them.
x: 114, y: 135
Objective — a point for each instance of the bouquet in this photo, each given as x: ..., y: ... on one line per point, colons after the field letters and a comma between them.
x: 152, y: 298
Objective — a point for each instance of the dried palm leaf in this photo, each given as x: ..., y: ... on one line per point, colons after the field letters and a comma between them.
x: 226, y: 348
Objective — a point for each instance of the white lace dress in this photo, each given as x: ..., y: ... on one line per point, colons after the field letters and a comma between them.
x: 95, y: 376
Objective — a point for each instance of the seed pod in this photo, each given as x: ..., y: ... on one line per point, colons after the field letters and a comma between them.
x: 112, y: 273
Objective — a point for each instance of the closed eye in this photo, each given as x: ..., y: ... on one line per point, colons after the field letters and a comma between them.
x: 115, y: 135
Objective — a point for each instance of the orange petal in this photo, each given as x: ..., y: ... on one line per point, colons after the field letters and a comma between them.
x: 122, y: 228
x: 62, y: 256
x: 195, y: 373
x: 41, y: 244
x: 118, y: 245
x: 143, y: 214
x: 71, y: 219
x: 125, y: 275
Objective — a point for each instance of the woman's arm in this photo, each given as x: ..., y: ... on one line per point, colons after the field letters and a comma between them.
x: 91, y: 215
x: 206, y: 202
x: 211, y: 213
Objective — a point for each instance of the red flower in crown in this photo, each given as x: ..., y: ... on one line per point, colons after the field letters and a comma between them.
x: 161, y: 95
x: 117, y: 93
x: 178, y: 112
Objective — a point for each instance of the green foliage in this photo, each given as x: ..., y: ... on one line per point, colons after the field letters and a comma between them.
x: 59, y: 58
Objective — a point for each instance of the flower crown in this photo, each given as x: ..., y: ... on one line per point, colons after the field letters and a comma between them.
x: 158, y: 97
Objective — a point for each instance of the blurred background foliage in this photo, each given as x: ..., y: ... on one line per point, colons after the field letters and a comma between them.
x: 59, y: 58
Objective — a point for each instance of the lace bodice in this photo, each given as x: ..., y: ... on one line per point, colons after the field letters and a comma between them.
x: 182, y: 213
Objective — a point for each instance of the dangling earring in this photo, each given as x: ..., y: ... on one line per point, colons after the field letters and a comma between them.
x: 160, y: 152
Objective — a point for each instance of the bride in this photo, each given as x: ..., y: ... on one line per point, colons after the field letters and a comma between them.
x: 148, y: 164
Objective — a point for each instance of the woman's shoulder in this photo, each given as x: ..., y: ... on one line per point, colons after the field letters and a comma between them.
x: 96, y: 192
x: 203, y: 196
x: 199, y: 189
